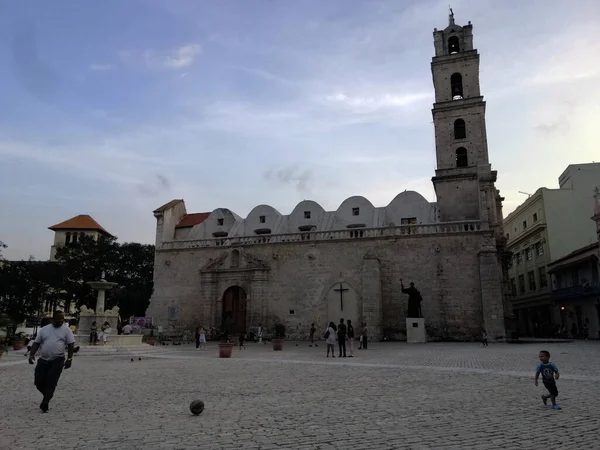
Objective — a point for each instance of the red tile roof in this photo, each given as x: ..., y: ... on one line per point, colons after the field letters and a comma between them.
x: 80, y: 222
x: 189, y: 220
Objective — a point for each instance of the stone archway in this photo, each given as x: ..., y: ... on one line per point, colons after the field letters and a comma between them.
x: 342, y: 303
x: 234, y: 309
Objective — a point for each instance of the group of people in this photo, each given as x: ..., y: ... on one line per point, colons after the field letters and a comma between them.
x: 340, y: 334
x: 105, y: 331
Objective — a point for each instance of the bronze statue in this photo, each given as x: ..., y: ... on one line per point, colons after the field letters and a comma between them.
x: 414, y: 301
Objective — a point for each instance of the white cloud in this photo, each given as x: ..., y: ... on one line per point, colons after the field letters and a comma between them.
x: 177, y: 58
x: 360, y: 104
x: 183, y: 56
x: 101, y: 67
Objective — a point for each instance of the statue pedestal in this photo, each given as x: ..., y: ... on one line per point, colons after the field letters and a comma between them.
x: 415, y: 331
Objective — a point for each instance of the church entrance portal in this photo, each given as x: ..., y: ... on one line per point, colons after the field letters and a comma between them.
x: 234, y: 309
x: 342, y: 303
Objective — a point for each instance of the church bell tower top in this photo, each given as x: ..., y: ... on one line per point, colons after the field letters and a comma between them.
x: 454, y: 38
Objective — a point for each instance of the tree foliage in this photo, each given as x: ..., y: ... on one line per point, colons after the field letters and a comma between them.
x: 129, y: 264
x: 25, y: 286
x: 2, y: 247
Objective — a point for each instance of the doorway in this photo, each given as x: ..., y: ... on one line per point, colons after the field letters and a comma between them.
x: 234, y: 309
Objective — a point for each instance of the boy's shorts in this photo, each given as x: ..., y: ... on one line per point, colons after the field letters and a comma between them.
x: 551, y: 386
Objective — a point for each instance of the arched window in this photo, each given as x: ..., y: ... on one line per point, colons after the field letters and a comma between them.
x: 456, y: 86
x: 68, y: 238
x: 460, y: 129
x: 235, y: 258
x: 74, y: 236
x: 462, y: 159
x: 81, y: 235
x: 453, y: 45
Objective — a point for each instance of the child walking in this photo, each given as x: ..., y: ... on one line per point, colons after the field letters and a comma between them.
x: 549, y: 376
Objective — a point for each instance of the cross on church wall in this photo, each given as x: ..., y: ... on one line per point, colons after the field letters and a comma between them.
x: 341, y: 290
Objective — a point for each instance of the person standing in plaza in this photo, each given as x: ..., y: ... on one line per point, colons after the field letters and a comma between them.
x: 365, y: 334
x: 549, y: 374
x: 342, y: 337
x: 350, y: 334
x: 259, y: 333
x: 53, y: 339
x: 197, y: 336
x: 93, y: 333
x: 312, y: 334
x: 330, y: 339
x: 202, y: 338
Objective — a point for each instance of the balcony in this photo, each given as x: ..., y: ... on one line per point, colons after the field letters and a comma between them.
x: 404, y: 231
x: 576, y: 291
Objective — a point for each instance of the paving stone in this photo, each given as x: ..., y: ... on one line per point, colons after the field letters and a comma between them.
x: 392, y: 396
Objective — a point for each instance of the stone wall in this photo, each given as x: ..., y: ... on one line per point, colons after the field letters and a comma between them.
x: 460, y: 284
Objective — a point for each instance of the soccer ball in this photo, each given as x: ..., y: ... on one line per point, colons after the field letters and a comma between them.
x: 196, y: 407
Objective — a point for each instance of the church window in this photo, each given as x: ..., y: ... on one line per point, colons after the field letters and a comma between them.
x: 172, y: 313
x: 220, y: 222
x: 355, y: 211
x: 529, y: 253
x: 68, y: 239
x: 262, y: 219
x: 524, y: 224
x: 408, y: 221
x: 307, y: 214
x: 74, y: 238
x: 535, y: 217
x: 460, y: 129
x: 453, y: 45
x: 456, y: 86
x: 235, y: 258
x: 462, y: 159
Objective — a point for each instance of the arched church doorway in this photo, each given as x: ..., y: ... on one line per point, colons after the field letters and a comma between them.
x: 342, y: 303
x: 234, y: 309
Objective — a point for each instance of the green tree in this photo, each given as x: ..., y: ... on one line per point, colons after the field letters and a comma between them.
x: 2, y: 247
x: 130, y: 265
x: 17, y: 298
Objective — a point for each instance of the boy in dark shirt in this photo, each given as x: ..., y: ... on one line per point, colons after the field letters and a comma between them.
x: 549, y: 374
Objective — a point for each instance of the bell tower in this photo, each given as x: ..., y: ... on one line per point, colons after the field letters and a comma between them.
x: 464, y: 181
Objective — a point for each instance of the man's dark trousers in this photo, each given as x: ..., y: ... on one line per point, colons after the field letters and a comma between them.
x: 342, y: 344
x: 47, y: 374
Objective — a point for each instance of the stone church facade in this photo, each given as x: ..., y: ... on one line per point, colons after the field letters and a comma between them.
x: 319, y: 266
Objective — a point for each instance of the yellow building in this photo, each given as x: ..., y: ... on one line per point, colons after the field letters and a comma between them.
x: 548, y: 226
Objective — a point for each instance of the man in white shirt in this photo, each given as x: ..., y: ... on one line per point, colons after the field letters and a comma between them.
x: 53, y: 339
x: 126, y: 329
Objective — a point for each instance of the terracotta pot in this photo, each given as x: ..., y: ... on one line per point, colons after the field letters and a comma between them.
x: 150, y: 340
x: 225, y: 350
x: 277, y: 344
x: 18, y: 345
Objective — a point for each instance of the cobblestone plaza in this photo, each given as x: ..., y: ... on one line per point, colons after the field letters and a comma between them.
x: 392, y: 396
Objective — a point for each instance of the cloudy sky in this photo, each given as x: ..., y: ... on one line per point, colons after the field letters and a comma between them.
x: 112, y: 108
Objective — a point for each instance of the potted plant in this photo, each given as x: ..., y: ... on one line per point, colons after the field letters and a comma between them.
x: 150, y: 339
x: 225, y: 347
x: 19, y: 341
x: 2, y: 346
x: 279, y: 336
